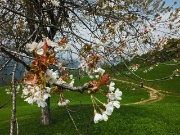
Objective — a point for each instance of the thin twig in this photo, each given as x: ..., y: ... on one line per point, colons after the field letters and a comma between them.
x: 73, y: 121
x: 5, y: 64
x: 5, y: 103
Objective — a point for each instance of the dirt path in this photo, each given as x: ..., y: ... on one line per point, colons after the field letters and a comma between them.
x: 154, y: 95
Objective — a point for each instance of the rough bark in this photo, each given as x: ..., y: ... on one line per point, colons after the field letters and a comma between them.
x: 45, y: 118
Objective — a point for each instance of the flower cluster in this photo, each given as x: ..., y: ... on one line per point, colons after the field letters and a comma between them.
x: 51, y: 77
x: 62, y: 45
x: 36, y: 80
x: 40, y: 74
x: 63, y: 102
x: 113, y: 97
x: 36, y: 94
x: 37, y: 47
x: 90, y: 66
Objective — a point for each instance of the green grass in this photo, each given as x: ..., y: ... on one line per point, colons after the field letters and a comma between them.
x: 158, y: 72
x: 159, y: 118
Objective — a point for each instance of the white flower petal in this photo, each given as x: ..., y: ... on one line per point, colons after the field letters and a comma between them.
x: 40, y: 51
x: 111, y: 89
x: 97, y: 118
x: 112, y: 84
x: 45, y: 96
x: 116, y: 104
x: 104, y: 116
x: 109, y: 108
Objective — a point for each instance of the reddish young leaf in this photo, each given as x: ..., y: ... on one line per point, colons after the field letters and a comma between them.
x: 34, y: 80
x: 104, y: 80
x: 45, y: 48
x: 62, y: 41
x: 30, y: 79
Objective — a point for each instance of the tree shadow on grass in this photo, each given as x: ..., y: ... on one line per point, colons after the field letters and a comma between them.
x: 128, y: 120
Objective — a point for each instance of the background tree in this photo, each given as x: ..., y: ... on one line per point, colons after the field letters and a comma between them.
x: 111, y: 30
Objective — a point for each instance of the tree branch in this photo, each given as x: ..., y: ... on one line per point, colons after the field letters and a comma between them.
x: 5, y: 64
x: 14, y: 57
x: 20, y: 14
x: 80, y: 89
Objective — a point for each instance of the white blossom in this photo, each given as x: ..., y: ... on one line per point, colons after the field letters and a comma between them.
x: 46, y: 95
x: 36, y: 94
x: 55, y: 3
x: 31, y: 47
x: 56, y: 46
x: 37, y: 47
x: 48, y: 89
x: 51, y: 43
x: 116, y: 104
x: 25, y: 91
x: 99, y: 70
x: 60, y: 81
x: 62, y: 47
x: 8, y: 92
x: 41, y: 103
x: 51, y: 76
x: 109, y: 108
x: 97, y: 117
x: 111, y: 96
x: 71, y: 83
x: 29, y: 100
x: 71, y: 76
x: 118, y: 94
x: 63, y: 103
x: 111, y: 86
x: 104, y: 116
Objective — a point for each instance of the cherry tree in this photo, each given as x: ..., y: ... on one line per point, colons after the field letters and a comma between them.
x: 46, y: 37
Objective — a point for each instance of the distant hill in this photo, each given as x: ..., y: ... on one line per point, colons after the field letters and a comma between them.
x: 170, y: 51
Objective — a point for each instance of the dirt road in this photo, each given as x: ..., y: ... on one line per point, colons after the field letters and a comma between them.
x: 154, y: 95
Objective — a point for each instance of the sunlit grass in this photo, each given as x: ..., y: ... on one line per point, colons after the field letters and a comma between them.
x: 158, y: 72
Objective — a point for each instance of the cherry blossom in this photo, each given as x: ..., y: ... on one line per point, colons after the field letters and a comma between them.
x: 55, y: 3
x: 35, y: 90
x: 36, y: 94
x: 37, y: 47
x: 109, y: 108
x: 104, y: 116
x: 116, y: 104
x: 99, y: 70
x: 97, y: 117
x: 63, y: 102
x: 51, y: 76
x: 118, y: 94
x: 111, y: 86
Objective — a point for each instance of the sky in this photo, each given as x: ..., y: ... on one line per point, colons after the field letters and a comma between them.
x: 170, y: 2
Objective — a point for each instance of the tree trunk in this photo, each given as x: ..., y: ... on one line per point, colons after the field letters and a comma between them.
x: 45, y: 118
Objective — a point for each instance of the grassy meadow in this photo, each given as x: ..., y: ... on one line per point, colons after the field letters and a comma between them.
x: 159, y: 118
